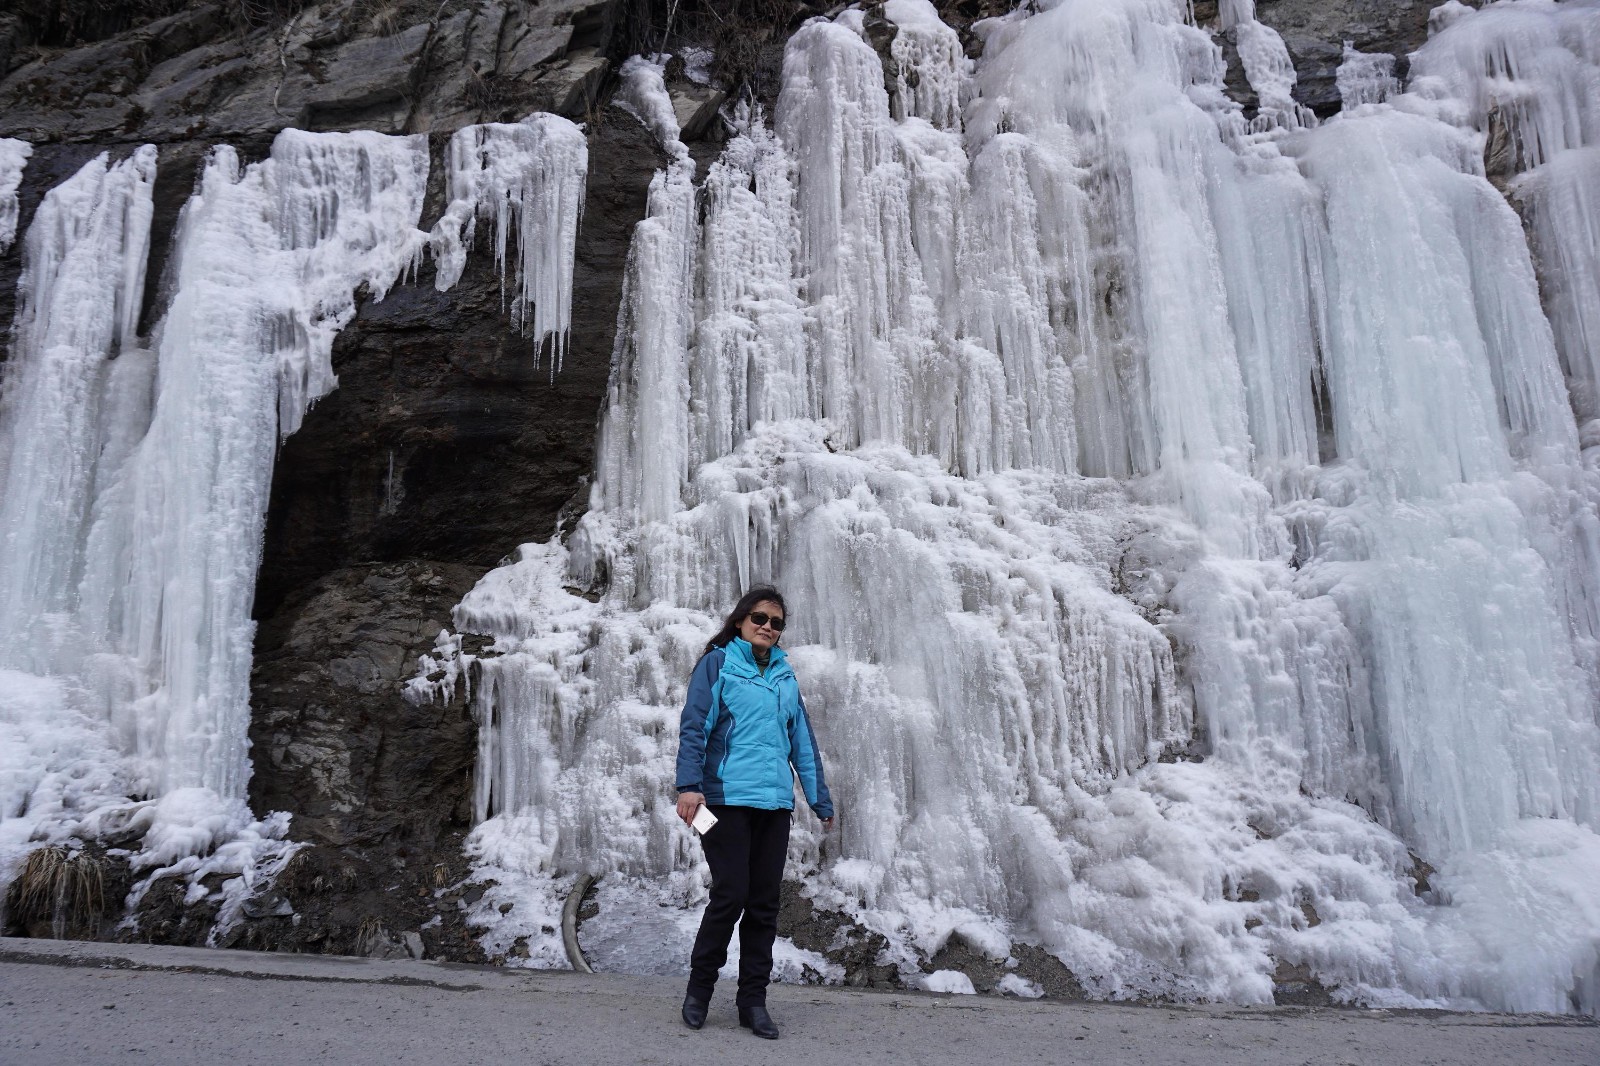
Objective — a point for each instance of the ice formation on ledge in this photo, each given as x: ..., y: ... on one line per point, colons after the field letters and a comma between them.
x: 13, y: 159
x: 1364, y: 78
x: 1183, y: 519
x: 529, y: 178
x: 930, y: 66
x: 1267, y: 66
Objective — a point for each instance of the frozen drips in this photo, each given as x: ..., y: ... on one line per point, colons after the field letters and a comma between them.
x: 528, y: 177
x: 930, y: 68
x: 1365, y: 78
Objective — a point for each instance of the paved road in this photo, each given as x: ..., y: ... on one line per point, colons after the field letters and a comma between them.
x: 64, y: 1002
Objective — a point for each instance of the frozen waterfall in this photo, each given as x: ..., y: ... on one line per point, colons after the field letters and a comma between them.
x: 1185, y: 521
x: 135, y: 471
x: 1188, y: 514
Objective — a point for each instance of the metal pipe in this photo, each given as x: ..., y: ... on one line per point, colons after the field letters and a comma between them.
x: 569, y: 922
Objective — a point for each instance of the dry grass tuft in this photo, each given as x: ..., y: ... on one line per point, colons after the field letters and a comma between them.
x: 370, y: 935
x: 67, y: 889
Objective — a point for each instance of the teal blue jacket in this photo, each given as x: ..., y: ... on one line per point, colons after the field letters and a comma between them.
x: 744, y: 735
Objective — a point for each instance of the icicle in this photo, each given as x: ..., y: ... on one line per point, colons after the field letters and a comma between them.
x: 529, y: 178
x: 642, y: 465
x: 1527, y: 65
x: 1562, y: 200
x: 748, y: 363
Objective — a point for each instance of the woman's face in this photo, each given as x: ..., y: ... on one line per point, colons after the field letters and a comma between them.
x: 761, y: 636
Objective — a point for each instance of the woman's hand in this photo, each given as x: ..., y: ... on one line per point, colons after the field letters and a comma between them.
x: 688, y: 803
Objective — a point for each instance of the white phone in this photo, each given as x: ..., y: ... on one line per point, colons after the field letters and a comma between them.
x: 703, y: 820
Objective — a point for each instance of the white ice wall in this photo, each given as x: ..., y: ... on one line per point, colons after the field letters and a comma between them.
x: 1090, y: 428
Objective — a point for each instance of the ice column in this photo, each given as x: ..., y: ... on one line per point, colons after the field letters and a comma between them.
x: 1120, y: 97
x: 749, y: 345
x: 1563, y: 207
x: 85, y: 260
x: 642, y: 469
x: 79, y: 299
x: 267, y: 263
x: 1440, y: 399
x: 870, y: 306
x: 1528, y: 74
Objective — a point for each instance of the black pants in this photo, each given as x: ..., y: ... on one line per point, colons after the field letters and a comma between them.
x: 746, y: 850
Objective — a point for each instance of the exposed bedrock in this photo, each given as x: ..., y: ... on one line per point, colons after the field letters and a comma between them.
x: 1315, y: 32
x: 407, y: 67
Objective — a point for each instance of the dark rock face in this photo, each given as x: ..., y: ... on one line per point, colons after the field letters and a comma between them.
x: 1315, y: 32
x: 333, y: 739
x: 447, y: 439
x: 380, y: 787
x: 412, y: 66
x: 450, y: 436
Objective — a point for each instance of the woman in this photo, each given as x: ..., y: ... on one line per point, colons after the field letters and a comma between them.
x: 744, y: 726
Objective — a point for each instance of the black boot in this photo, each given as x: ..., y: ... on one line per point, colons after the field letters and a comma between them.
x: 756, y: 1019
x: 694, y: 1011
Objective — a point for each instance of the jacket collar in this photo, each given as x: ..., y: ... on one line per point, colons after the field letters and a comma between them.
x: 741, y: 658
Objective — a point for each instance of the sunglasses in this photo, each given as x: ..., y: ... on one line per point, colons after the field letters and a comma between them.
x: 761, y: 618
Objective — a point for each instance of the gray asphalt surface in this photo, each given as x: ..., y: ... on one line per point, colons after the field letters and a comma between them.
x: 63, y: 1002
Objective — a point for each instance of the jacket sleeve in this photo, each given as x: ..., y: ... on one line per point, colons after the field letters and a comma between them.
x: 807, y: 761
x: 694, y: 726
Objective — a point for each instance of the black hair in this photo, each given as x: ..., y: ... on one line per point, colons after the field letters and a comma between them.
x: 741, y: 611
